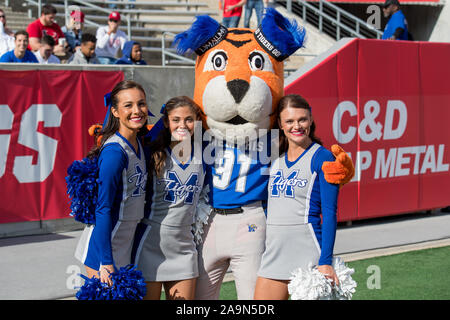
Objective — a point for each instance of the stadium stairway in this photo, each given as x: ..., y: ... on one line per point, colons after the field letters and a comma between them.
x: 16, y: 20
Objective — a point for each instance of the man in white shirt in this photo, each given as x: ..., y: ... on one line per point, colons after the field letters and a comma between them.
x: 44, y: 54
x: 110, y: 39
x: 6, y: 36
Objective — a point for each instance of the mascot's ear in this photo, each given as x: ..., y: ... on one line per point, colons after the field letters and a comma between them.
x: 279, y: 36
x: 204, y: 34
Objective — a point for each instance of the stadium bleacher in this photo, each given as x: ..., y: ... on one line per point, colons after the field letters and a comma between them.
x: 145, y: 22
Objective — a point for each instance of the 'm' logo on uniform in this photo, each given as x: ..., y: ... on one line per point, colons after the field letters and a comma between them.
x: 175, y: 188
x: 140, y: 181
x: 286, y: 185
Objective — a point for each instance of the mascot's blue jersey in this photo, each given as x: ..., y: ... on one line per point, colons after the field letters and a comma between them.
x: 239, y: 175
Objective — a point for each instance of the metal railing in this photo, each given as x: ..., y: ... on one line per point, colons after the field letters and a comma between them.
x: 332, y: 19
x: 165, y: 52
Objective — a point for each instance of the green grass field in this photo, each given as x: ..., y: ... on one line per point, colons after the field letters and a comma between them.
x: 415, y: 275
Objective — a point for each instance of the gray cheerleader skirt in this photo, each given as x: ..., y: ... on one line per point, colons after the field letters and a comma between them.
x: 288, y: 247
x: 165, y: 253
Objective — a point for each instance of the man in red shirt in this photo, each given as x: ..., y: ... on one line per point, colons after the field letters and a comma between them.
x: 232, y: 11
x: 45, y: 24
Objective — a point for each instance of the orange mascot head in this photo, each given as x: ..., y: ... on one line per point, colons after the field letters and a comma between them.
x: 239, y: 72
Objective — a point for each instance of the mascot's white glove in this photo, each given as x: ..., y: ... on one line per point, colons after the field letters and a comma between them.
x: 202, y: 213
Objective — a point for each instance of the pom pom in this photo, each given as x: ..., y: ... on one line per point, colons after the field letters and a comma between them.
x: 347, y: 285
x: 201, y: 218
x: 310, y: 284
x: 92, y: 289
x: 127, y: 284
x: 82, y: 187
x: 201, y: 215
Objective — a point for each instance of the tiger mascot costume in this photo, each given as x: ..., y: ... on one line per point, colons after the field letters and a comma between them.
x: 238, y: 83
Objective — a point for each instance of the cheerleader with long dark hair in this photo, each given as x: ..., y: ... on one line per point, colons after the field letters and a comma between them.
x: 106, y: 246
x: 164, y: 248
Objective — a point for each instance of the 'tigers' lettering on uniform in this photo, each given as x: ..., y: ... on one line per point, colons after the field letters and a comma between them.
x: 280, y: 184
x: 176, y: 188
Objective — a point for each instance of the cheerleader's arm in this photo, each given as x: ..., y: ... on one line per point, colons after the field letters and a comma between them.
x: 328, y: 200
x: 112, y: 162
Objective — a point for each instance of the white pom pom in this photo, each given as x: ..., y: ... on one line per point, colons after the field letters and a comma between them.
x: 201, y: 218
x: 310, y: 284
x: 347, y: 285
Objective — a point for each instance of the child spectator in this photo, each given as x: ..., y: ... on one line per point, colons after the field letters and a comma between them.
x: 20, y: 54
x: 132, y: 54
x: 86, y: 53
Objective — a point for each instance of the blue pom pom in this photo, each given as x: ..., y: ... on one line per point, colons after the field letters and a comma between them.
x: 92, y: 289
x: 127, y: 284
x: 285, y: 34
x: 82, y: 187
x: 203, y: 29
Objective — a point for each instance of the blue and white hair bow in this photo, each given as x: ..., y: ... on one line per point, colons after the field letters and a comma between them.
x: 108, y: 102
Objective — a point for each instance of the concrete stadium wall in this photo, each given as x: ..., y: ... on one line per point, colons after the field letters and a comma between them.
x: 160, y: 84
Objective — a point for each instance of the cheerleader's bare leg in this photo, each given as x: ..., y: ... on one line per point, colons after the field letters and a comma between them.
x: 180, y: 290
x: 153, y: 290
x: 271, y: 289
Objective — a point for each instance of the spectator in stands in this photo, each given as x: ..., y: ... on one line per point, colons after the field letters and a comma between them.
x: 6, y: 35
x: 232, y: 11
x: 3, y: 21
x: 44, y: 54
x: 109, y: 39
x: 132, y: 54
x: 86, y: 53
x: 397, y: 26
x: 20, y: 54
x: 74, y: 30
x: 258, y: 5
x: 46, y: 24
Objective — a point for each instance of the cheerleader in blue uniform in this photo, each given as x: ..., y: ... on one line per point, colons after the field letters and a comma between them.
x: 298, y: 195
x: 164, y: 248
x: 107, y: 245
